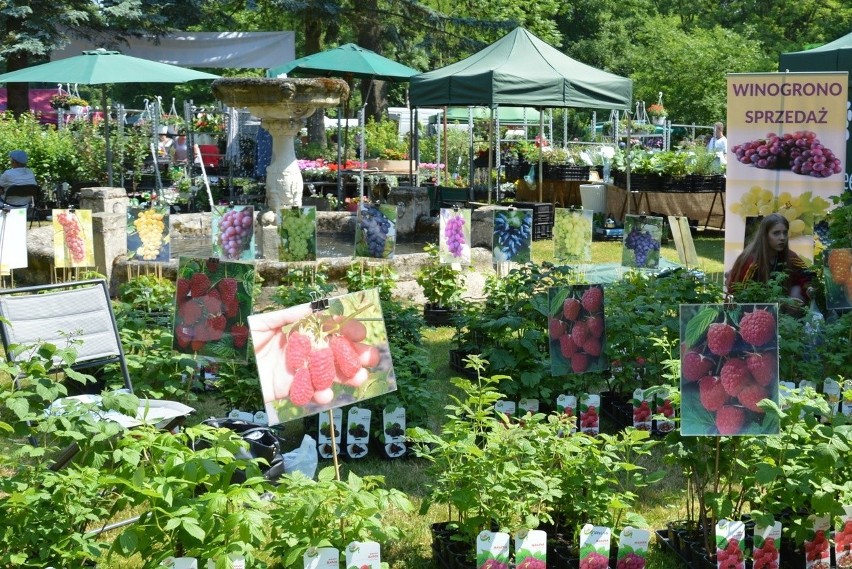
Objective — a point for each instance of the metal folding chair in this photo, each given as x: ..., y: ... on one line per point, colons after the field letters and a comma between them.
x: 82, y: 311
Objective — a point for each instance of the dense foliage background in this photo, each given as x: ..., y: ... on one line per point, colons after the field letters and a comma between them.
x: 682, y: 49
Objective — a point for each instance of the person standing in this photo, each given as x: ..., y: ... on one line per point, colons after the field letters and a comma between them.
x: 718, y: 143
x: 18, y: 174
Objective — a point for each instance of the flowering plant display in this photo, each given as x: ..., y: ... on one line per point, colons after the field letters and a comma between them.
x: 657, y: 110
x: 66, y: 101
x: 209, y: 122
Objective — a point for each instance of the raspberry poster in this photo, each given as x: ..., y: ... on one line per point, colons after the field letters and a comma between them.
x: 512, y: 240
x: 213, y: 301
x: 786, y: 152
x: 13, y: 232
x: 73, y: 242
x: 233, y: 233
x: 642, y: 237
x: 572, y: 235
x: 838, y: 278
x: 729, y: 364
x: 454, y: 243
x: 375, y: 232
x: 576, y: 329
x: 148, y: 234
x: 310, y: 360
x: 298, y: 233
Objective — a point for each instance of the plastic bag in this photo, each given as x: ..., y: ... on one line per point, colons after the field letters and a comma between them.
x: 303, y: 459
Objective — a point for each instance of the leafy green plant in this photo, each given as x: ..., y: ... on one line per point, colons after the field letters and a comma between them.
x: 640, y: 310
x: 301, y: 285
x: 330, y: 513
x: 442, y: 284
x: 148, y: 293
x: 364, y: 275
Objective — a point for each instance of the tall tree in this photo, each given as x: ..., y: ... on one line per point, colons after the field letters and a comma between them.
x: 31, y: 29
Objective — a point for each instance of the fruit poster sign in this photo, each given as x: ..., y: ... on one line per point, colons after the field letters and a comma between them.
x: 13, y: 232
x: 642, y: 237
x: 454, y: 242
x: 729, y: 364
x: 148, y: 234
x: 786, y: 152
x: 233, y: 233
x: 213, y: 300
x: 298, y: 233
x: 73, y: 242
x: 512, y: 238
x: 838, y: 278
x: 375, y: 232
x: 314, y: 360
x: 576, y: 329
x: 572, y: 235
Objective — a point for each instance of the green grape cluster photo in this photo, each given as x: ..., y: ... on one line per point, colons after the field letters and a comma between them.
x: 298, y: 232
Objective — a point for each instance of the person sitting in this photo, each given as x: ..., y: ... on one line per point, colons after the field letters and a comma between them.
x: 18, y: 174
x: 769, y: 254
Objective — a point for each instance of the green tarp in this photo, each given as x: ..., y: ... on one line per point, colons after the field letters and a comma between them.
x: 521, y: 70
x: 833, y: 56
x: 507, y: 115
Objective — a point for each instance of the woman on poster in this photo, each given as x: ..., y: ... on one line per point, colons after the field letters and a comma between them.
x: 769, y: 254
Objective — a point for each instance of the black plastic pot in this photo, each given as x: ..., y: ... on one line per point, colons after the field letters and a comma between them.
x: 437, y: 315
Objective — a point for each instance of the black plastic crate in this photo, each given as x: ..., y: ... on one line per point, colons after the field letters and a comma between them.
x: 542, y: 230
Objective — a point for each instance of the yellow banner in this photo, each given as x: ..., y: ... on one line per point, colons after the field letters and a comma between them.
x: 786, y: 152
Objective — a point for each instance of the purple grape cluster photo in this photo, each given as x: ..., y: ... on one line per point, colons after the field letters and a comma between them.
x: 800, y: 151
x: 642, y: 243
x: 374, y: 229
x: 454, y: 234
x: 235, y: 232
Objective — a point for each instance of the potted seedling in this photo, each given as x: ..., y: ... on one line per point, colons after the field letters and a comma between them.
x: 442, y: 285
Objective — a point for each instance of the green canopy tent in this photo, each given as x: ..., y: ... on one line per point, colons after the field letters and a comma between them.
x: 833, y: 56
x: 348, y: 60
x: 102, y: 67
x: 522, y: 70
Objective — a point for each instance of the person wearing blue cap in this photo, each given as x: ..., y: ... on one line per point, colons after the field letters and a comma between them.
x: 18, y: 174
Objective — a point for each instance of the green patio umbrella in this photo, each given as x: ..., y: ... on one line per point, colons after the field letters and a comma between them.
x: 348, y: 60
x: 102, y: 67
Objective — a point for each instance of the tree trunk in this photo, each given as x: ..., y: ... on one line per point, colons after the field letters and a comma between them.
x: 313, y: 44
x: 370, y: 37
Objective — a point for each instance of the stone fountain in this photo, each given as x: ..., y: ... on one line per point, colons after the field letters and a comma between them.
x: 281, y: 105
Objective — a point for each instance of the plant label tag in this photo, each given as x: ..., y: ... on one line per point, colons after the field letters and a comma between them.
x: 567, y: 405
x: 394, y: 431
x: 843, y: 539
x: 528, y: 405
x: 818, y: 548
x: 641, y: 410
x: 831, y: 390
x: 594, y: 545
x: 321, y: 558
x: 730, y: 543
x: 363, y: 554
x: 505, y: 407
x: 492, y: 545
x: 633, y: 547
x: 358, y: 432
x: 590, y: 421
x: 664, y: 410
x: 324, y: 435
x: 530, y: 545
x: 181, y: 563
x: 767, y: 540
